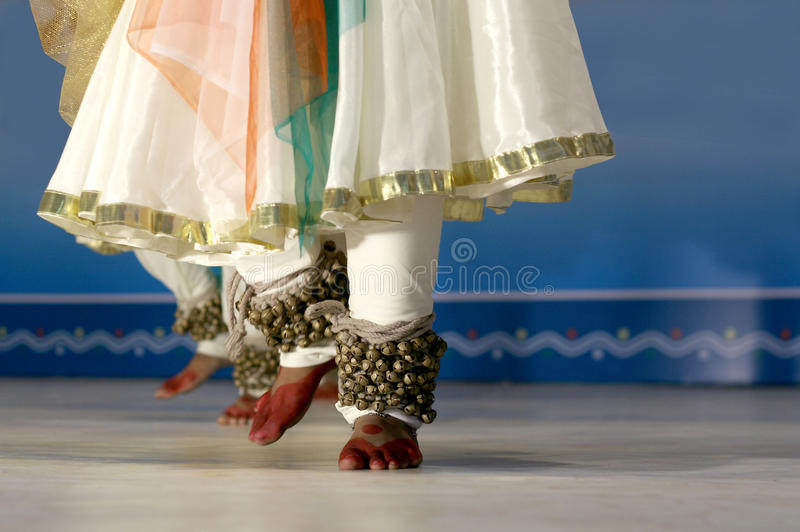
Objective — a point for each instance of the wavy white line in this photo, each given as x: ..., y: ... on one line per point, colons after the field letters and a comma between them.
x: 497, y: 343
x: 66, y: 340
x: 694, y: 343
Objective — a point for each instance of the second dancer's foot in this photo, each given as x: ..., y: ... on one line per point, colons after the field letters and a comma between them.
x: 196, y: 372
x: 286, y: 404
x: 239, y: 413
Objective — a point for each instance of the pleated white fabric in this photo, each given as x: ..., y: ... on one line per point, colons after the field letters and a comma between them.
x: 471, y: 99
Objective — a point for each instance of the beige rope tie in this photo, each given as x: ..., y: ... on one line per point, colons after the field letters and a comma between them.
x: 373, y: 333
x: 261, y: 296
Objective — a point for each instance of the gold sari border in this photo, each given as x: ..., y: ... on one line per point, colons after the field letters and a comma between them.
x: 64, y: 206
x: 88, y: 201
x: 342, y: 200
x: 406, y: 183
x: 61, y: 205
x: 463, y: 210
x: 557, y: 193
x: 526, y: 158
x: 265, y: 216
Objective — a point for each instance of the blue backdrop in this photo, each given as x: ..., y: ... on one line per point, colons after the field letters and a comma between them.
x: 700, y: 98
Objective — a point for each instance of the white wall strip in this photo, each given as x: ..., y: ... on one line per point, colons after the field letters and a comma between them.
x: 88, y: 299
x: 657, y: 294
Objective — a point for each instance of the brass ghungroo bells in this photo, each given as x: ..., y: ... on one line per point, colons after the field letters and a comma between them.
x: 202, y: 322
x: 281, y: 318
x: 399, y: 374
x: 254, y: 371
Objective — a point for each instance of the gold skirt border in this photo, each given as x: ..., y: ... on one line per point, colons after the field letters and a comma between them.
x: 98, y: 221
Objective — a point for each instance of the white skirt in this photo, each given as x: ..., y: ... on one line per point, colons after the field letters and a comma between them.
x: 484, y: 102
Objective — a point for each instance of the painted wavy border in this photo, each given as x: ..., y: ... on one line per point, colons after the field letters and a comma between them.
x: 497, y: 344
x: 600, y: 343
x: 139, y: 342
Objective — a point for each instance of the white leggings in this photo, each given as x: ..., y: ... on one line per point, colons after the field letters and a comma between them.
x: 392, y: 273
x: 391, y: 269
x: 191, y: 284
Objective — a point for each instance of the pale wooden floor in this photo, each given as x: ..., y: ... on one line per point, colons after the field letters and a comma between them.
x: 103, y: 455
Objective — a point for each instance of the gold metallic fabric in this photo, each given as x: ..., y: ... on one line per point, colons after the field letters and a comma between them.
x: 463, y: 210
x: 73, y: 33
x: 59, y: 206
x: 556, y: 191
x: 264, y: 215
x: 88, y: 204
x: 165, y: 224
x: 89, y: 212
x: 342, y: 199
x: 406, y: 183
x: 526, y: 158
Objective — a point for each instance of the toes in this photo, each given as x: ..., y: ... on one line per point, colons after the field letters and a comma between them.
x: 262, y: 404
x: 377, y: 464
x: 228, y: 419
x: 401, y: 454
x: 397, y: 459
x: 169, y: 388
x: 259, y: 420
x: 260, y: 416
x: 351, y: 459
x: 183, y: 382
x: 270, y: 432
x: 414, y: 457
x: 232, y: 421
x: 264, y: 433
x: 257, y: 432
x: 236, y: 414
x: 377, y: 460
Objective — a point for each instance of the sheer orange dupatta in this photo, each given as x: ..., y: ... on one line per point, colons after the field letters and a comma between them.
x: 216, y: 54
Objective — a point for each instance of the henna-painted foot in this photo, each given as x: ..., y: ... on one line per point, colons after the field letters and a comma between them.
x: 239, y: 413
x: 328, y: 389
x: 380, y: 443
x: 286, y: 404
x: 196, y: 372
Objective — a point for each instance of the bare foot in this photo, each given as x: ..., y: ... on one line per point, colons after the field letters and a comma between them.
x: 196, y: 372
x: 328, y: 389
x: 239, y: 413
x: 380, y: 442
x: 286, y: 403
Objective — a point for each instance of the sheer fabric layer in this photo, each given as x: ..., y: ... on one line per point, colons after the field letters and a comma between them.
x: 485, y: 102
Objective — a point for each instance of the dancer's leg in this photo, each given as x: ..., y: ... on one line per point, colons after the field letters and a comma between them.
x: 254, y: 375
x: 306, y: 354
x: 392, y: 270
x: 198, y: 314
x: 254, y: 371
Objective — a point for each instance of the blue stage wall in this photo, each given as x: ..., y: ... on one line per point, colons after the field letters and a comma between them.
x: 701, y: 101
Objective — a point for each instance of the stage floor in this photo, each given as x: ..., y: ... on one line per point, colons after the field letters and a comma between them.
x: 104, y: 455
